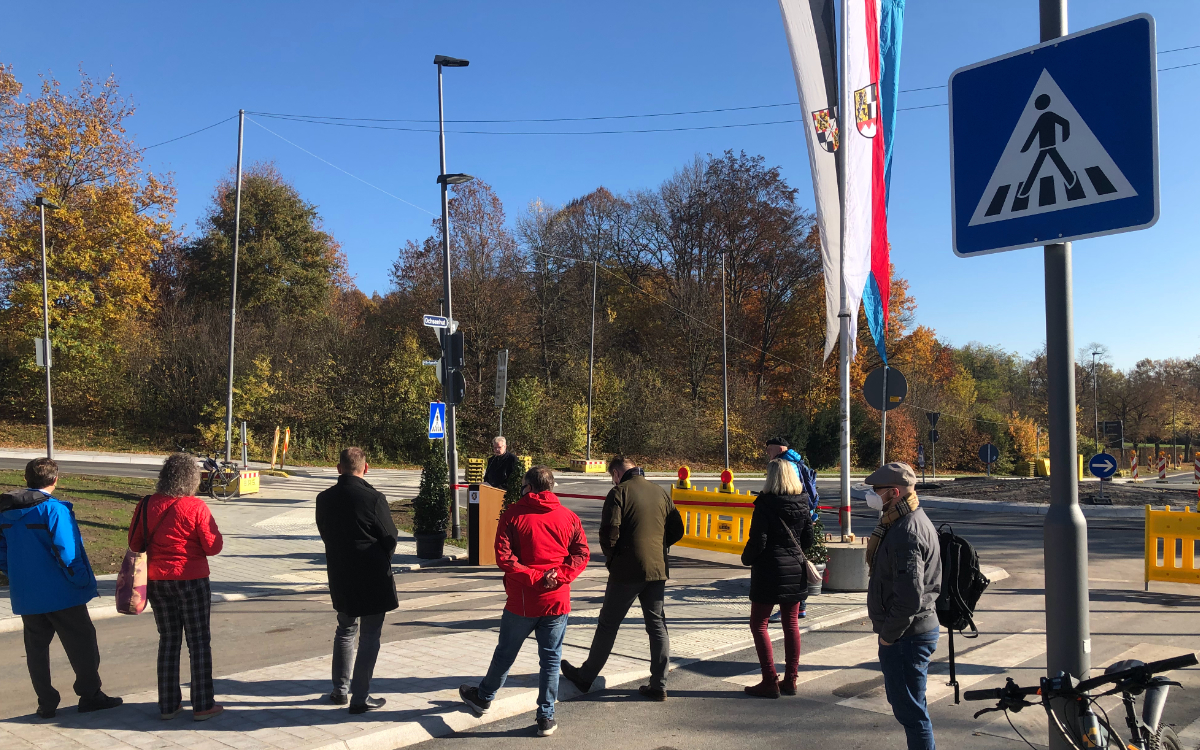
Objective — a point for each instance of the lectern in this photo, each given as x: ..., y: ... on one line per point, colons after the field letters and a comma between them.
x: 483, y: 517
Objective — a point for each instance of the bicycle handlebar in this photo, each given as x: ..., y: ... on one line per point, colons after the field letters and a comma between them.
x: 1146, y: 670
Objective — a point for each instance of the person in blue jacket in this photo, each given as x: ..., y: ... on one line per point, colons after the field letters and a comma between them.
x: 50, y: 584
x: 777, y: 447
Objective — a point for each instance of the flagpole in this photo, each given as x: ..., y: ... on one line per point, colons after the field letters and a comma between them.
x: 844, y: 112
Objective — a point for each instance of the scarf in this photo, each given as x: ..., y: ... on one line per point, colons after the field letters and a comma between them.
x: 905, y: 505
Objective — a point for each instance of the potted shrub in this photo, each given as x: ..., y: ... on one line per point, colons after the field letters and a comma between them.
x: 516, y: 481
x: 818, y: 555
x: 431, y: 506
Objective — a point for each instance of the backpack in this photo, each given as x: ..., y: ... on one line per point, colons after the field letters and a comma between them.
x: 962, y: 582
x: 962, y: 585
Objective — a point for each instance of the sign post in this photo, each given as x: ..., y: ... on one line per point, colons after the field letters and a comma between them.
x: 933, y: 416
x: 501, y: 384
x: 437, y: 420
x: 1051, y: 144
x: 989, y: 454
x: 884, y: 389
x: 1102, y: 466
x: 921, y: 461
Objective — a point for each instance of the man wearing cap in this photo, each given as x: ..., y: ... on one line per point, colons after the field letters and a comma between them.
x: 905, y: 561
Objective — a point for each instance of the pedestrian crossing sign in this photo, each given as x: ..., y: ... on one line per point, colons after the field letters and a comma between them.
x: 437, y: 420
x: 1056, y: 142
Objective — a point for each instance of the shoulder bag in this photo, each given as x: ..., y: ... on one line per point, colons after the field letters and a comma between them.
x: 131, y: 581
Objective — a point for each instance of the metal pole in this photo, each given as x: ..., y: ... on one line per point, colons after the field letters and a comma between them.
x: 451, y: 447
x: 46, y: 341
x: 883, y: 421
x: 843, y: 312
x: 1068, y: 631
x: 724, y: 362
x: 237, y: 230
x: 1095, y: 402
x: 591, y: 360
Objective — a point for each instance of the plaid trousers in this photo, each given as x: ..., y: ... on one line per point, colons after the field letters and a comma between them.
x: 181, y: 609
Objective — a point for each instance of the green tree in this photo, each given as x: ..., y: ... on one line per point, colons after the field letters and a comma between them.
x: 285, y: 259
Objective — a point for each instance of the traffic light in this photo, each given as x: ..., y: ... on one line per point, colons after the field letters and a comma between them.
x: 457, y: 389
x: 454, y: 350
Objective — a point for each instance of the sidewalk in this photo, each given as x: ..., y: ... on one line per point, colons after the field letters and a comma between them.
x: 282, y: 707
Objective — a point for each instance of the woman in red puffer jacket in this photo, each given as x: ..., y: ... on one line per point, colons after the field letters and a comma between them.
x: 182, y: 536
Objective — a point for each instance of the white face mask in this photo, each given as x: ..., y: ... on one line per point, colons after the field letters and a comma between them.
x: 874, y: 501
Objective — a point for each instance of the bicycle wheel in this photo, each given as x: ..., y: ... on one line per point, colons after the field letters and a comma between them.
x: 225, y: 484
x: 1165, y: 739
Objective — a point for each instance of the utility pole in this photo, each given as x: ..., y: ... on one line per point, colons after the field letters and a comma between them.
x: 724, y: 362
x: 592, y: 358
x: 1096, y: 401
x: 42, y: 205
x: 1068, y: 632
x: 237, y: 231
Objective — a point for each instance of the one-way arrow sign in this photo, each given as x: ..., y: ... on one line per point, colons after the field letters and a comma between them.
x: 1102, y: 465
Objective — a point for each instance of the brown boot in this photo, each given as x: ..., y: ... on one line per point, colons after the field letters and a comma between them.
x: 787, y: 685
x: 768, y: 688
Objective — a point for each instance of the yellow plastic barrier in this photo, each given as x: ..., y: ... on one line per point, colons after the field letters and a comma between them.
x: 475, y: 470
x: 1043, y: 467
x: 1177, y: 533
x: 247, y: 482
x: 588, y: 466
x: 718, y: 521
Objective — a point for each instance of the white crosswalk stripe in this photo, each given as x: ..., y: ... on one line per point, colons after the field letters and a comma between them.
x: 820, y: 663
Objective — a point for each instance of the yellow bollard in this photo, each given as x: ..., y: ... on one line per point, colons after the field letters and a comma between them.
x: 685, y: 481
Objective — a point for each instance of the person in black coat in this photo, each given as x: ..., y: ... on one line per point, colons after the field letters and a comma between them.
x: 781, y: 531
x: 500, y: 465
x: 356, y: 525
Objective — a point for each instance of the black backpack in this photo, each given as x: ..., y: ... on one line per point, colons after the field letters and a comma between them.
x: 962, y: 585
x: 962, y: 582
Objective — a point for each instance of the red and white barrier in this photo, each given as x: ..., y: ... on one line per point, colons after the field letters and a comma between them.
x: 1133, y: 466
x: 1196, y: 468
x: 1162, y: 468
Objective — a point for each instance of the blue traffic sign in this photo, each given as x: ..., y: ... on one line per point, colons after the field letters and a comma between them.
x: 1102, y: 465
x: 437, y: 420
x: 436, y: 321
x: 989, y: 453
x: 1056, y: 142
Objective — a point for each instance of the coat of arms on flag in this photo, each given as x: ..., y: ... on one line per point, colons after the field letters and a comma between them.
x: 866, y: 110
x: 825, y: 123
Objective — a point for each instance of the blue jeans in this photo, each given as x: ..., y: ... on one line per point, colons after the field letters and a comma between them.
x: 514, y: 629
x: 905, y: 665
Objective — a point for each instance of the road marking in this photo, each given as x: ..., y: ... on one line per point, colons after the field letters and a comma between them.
x: 1189, y: 736
x: 822, y: 663
x: 974, y: 666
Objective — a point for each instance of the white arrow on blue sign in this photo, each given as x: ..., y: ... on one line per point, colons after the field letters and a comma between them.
x: 437, y: 321
x: 437, y: 420
x: 1102, y: 465
x: 1056, y: 142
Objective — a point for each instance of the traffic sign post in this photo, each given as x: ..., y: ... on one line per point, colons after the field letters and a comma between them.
x: 884, y: 389
x: 933, y: 417
x: 437, y: 420
x: 501, y: 384
x: 1050, y: 144
x: 1102, y: 466
x: 989, y: 454
x: 921, y: 461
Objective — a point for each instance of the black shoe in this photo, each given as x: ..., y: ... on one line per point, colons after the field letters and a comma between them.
x: 470, y: 696
x: 653, y: 693
x: 571, y: 672
x: 369, y: 705
x: 46, y: 712
x: 339, y: 699
x: 546, y: 727
x: 99, y: 702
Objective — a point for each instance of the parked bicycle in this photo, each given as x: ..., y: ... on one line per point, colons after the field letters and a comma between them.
x: 220, y: 478
x: 1085, y: 728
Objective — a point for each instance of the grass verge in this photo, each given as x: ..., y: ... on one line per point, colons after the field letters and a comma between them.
x: 103, y: 508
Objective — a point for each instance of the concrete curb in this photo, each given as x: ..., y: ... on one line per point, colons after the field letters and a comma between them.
x: 1027, y: 509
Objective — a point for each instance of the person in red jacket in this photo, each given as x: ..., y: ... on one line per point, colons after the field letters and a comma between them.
x: 541, y: 547
x: 178, y: 533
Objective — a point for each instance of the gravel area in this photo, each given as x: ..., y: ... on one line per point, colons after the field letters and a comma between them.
x: 1038, y: 491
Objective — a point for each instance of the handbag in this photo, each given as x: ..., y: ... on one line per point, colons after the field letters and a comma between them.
x: 132, y: 580
x: 810, y: 571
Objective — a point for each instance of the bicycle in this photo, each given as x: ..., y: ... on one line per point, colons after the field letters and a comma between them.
x: 222, y: 480
x: 1129, y: 678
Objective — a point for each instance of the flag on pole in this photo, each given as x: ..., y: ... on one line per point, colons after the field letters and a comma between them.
x: 813, y: 43
x: 877, y: 293
x: 865, y: 201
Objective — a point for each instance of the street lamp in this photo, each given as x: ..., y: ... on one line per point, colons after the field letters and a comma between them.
x: 1095, y: 402
x: 42, y: 205
x: 444, y: 179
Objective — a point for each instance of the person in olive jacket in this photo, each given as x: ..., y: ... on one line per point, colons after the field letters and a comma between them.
x: 637, y: 526
x: 356, y: 525
x: 781, y: 531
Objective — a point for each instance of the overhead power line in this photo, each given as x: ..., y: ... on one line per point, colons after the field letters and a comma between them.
x: 188, y: 135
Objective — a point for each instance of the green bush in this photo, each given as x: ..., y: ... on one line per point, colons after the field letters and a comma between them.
x: 516, y: 480
x: 817, y: 553
x: 431, y: 506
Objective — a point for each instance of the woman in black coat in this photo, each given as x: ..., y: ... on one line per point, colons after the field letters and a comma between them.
x: 781, y: 531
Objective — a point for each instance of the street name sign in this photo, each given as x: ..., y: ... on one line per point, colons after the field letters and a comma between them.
x: 437, y: 321
x: 1102, y: 465
x: 437, y: 420
x: 1056, y: 142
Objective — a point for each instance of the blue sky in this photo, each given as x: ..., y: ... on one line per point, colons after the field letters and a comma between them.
x: 188, y: 65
